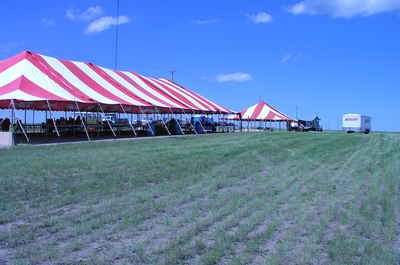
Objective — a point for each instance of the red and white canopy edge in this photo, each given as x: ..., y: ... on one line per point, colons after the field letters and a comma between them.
x: 33, y: 81
x: 261, y: 112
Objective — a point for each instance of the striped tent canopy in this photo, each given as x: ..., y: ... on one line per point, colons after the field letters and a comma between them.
x: 261, y: 112
x: 33, y: 81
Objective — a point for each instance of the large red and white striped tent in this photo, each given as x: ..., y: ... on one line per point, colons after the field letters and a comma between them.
x: 261, y: 112
x: 33, y: 81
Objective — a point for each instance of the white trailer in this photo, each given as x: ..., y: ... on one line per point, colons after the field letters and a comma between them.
x: 356, y: 123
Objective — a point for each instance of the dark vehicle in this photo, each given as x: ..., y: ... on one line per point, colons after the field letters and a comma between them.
x: 306, y: 126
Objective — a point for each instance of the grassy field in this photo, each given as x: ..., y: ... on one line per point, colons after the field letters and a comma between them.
x: 252, y: 198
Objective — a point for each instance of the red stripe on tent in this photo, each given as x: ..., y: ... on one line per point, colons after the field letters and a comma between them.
x: 7, y: 63
x: 49, y: 71
x: 182, y: 99
x: 28, y: 87
x: 196, y: 96
x: 271, y: 116
x: 243, y: 113
x: 257, y: 110
x: 280, y: 114
x: 91, y: 83
x: 117, y: 85
x: 141, y: 89
x: 31, y: 88
x: 159, y: 90
x: 187, y: 94
x: 10, y: 87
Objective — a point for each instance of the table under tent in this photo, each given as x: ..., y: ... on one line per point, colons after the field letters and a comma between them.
x: 49, y: 99
x: 261, y: 116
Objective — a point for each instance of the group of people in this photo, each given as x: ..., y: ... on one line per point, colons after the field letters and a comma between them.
x: 5, y: 124
x: 64, y: 121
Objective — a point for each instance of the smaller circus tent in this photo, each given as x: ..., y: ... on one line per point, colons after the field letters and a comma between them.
x: 261, y: 112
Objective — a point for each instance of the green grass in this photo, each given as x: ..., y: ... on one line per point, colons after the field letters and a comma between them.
x: 251, y: 198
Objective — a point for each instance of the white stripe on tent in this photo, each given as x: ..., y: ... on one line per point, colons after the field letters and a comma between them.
x: 189, y: 95
x: 106, y: 85
x: 29, y: 71
x: 249, y: 112
x: 197, y: 105
x: 136, y: 91
x: 20, y: 95
x: 264, y: 113
x: 75, y: 81
x: 149, y: 89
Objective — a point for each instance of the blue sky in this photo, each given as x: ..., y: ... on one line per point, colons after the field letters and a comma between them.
x: 326, y: 57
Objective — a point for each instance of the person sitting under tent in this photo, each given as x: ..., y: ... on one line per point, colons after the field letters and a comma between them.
x: 78, y: 120
x: 5, y: 124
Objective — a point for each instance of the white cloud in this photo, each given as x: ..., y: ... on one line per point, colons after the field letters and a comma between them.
x: 88, y: 14
x: 234, y: 77
x: 47, y: 22
x: 344, y: 8
x: 260, y: 18
x: 105, y: 23
x: 206, y: 21
x: 291, y: 57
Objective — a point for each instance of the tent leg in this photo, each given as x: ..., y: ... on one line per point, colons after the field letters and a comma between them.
x: 130, y: 123
x: 23, y: 130
x: 202, y: 127
x: 191, y: 124
x: 108, y: 122
x: 54, y: 121
x: 148, y: 124
x: 83, y: 123
x: 163, y: 122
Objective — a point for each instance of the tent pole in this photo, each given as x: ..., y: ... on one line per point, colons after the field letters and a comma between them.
x: 13, y: 114
x: 52, y: 117
x: 241, y: 122
x: 33, y: 119
x: 130, y: 123
x: 23, y: 130
x: 201, y: 125
x: 109, y: 124
x: 11, y: 127
x: 162, y: 120
x: 191, y: 124
x: 148, y: 124
x: 83, y: 123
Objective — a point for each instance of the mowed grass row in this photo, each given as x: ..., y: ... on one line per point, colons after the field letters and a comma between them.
x: 251, y: 198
